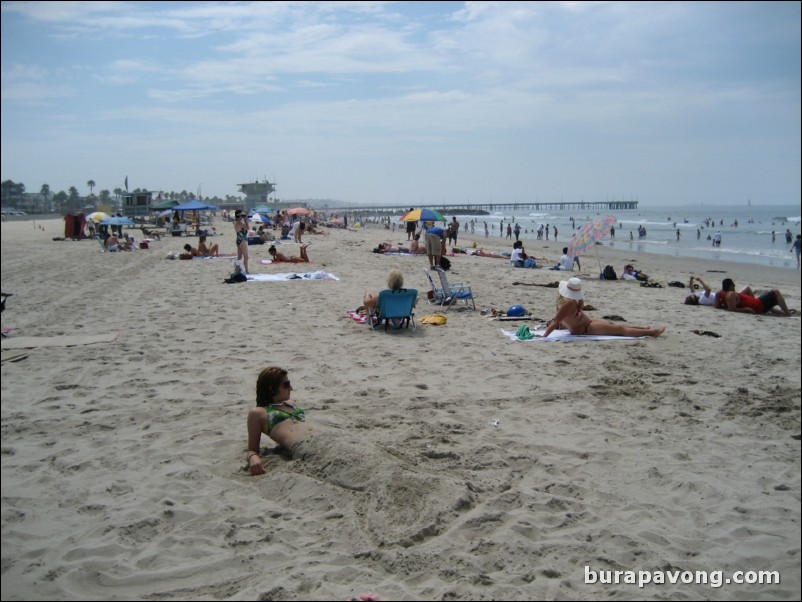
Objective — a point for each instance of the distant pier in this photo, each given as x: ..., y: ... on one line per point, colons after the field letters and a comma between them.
x: 487, y: 208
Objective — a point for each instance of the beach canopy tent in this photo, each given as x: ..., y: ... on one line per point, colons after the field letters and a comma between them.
x: 260, y: 218
x: 194, y: 206
x: 74, y: 225
x: 165, y: 204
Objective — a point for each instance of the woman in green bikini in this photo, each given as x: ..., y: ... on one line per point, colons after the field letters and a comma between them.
x: 274, y: 415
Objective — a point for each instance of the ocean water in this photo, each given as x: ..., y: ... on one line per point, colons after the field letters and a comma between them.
x: 750, y: 241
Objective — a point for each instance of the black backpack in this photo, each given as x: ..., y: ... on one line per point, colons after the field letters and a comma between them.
x: 608, y: 273
x: 445, y: 263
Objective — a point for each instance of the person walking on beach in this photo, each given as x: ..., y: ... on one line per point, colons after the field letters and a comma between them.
x: 509, y: 231
x: 795, y: 248
x: 717, y: 239
x: 517, y: 231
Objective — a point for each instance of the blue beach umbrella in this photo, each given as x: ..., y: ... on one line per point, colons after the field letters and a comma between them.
x: 118, y: 221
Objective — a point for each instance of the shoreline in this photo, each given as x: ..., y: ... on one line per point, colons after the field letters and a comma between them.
x: 477, y: 467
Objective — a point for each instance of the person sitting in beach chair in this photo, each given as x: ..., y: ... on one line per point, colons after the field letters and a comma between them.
x: 393, y: 306
x: 281, y: 258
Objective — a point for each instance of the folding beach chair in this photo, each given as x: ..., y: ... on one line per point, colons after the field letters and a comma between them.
x: 394, y: 308
x: 454, y: 291
x: 438, y: 295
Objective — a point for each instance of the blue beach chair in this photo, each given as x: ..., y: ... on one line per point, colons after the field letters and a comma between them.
x: 394, y: 308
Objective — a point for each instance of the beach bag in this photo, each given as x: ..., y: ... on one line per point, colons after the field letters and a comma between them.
x: 608, y: 273
x: 640, y: 276
x: 445, y: 263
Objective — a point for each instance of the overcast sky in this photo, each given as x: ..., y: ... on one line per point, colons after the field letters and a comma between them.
x: 407, y: 102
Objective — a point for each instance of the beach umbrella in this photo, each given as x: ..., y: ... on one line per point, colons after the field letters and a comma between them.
x: 589, y: 234
x: 97, y: 216
x: 299, y: 211
x: 424, y: 215
x: 118, y: 221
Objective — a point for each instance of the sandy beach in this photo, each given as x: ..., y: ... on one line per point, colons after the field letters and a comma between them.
x: 452, y: 462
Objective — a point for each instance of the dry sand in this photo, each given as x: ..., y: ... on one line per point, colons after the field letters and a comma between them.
x: 453, y: 463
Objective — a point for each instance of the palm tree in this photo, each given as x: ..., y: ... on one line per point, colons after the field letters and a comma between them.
x: 73, y: 199
x: 91, y: 184
x: 45, y: 192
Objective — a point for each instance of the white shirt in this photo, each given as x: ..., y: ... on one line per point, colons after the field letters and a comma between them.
x: 566, y: 263
x: 705, y: 299
x: 516, y: 255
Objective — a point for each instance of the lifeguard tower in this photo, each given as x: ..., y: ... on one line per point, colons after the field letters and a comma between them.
x: 256, y: 193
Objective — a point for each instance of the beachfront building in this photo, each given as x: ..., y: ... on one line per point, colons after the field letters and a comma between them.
x: 256, y: 193
x: 137, y: 204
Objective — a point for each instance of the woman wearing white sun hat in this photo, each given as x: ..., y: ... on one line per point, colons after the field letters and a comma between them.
x: 570, y: 315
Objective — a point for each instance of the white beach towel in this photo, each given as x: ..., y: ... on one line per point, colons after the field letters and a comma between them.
x: 291, y: 276
x: 565, y: 335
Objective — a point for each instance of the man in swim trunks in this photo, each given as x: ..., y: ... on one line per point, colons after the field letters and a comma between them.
x: 727, y: 298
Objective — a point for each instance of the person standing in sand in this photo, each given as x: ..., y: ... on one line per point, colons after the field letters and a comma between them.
x: 570, y: 315
x: 411, y: 227
x: 434, y: 245
x: 241, y: 229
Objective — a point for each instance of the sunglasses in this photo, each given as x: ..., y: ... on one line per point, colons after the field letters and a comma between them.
x: 286, y: 384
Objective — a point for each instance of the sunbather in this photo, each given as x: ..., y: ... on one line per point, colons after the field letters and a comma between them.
x: 402, y: 499
x: 207, y: 251
x: 280, y: 257
x: 570, y: 304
